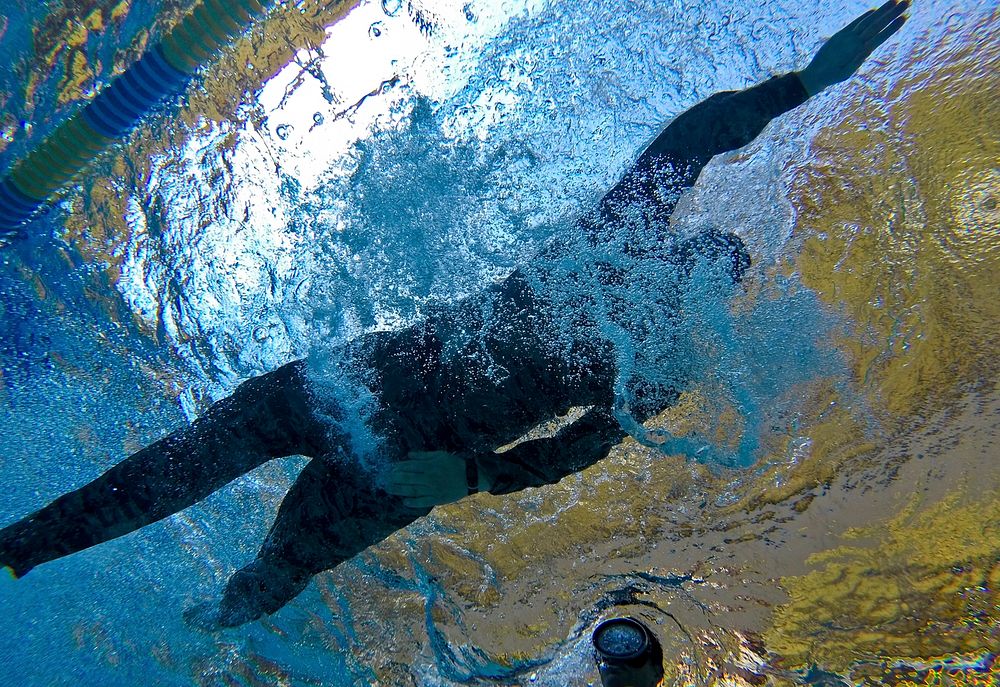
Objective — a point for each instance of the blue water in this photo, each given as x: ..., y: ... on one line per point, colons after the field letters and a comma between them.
x: 25, y: 124
x: 421, y: 215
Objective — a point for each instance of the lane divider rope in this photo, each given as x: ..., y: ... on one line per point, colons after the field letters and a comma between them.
x: 164, y: 71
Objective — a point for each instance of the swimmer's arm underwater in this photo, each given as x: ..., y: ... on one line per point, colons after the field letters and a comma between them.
x: 671, y: 164
x: 730, y: 120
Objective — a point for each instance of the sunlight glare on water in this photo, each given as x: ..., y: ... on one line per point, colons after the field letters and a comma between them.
x: 422, y: 152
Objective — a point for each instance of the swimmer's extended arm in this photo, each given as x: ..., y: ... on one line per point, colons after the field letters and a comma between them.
x: 730, y: 120
x: 672, y: 162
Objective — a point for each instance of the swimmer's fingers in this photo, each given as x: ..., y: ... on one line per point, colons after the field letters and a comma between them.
x: 880, y: 38
x: 411, y: 472
x: 874, y: 22
x: 429, y: 466
x: 415, y: 495
x: 407, y: 489
x: 431, y: 458
x: 870, y: 30
x: 401, y: 482
x: 882, y: 24
x: 860, y: 20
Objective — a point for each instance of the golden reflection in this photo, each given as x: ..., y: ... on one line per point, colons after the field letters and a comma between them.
x: 925, y: 588
x: 910, y: 248
x: 869, y: 548
x: 823, y: 557
x: 900, y: 230
x: 975, y: 213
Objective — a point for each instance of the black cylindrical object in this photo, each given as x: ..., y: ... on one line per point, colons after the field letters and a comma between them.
x: 627, y: 653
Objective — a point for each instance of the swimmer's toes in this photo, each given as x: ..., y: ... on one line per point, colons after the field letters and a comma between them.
x: 16, y: 570
x: 204, y: 616
x: 242, y: 599
x: 8, y: 562
x: 19, y: 547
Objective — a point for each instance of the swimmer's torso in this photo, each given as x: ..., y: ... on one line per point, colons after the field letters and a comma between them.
x: 481, y: 373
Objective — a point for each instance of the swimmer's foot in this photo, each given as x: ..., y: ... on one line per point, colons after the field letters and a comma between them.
x: 16, y: 570
x: 204, y: 616
x: 214, y: 615
x: 256, y: 590
x: 10, y: 561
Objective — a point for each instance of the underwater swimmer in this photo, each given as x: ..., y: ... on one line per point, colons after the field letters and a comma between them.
x: 439, y: 417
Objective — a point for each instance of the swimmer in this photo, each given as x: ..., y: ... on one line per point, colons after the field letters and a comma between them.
x: 439, y: 419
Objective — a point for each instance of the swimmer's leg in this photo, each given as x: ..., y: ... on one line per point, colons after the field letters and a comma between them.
x: 332, y: 512
x: 266, y: 417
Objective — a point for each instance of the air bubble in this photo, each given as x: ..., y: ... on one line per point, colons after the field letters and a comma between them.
x: 392, y: 7
x: 318, y: 118
x: 284, y: 131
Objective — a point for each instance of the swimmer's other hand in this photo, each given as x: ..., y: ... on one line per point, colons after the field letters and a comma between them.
x: 428, y: 478
x: 841, y: 56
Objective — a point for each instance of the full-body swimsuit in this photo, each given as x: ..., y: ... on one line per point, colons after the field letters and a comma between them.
x: 429, y: 397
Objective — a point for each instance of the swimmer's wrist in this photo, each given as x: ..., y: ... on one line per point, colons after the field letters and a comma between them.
x: 810, y: 83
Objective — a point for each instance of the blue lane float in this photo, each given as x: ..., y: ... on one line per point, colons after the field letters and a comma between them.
x: 118, y: 108
x: 163, y: 72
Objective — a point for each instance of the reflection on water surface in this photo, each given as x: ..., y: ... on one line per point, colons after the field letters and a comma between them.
x: 861, y: 547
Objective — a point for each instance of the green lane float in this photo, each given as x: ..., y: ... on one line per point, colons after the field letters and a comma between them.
x: 164, y: 71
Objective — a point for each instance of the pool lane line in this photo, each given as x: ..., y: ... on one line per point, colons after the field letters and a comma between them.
x: 164, y: 71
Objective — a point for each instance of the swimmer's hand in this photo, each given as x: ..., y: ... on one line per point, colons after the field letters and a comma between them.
x: 841, y: 56
x: 428, y: 478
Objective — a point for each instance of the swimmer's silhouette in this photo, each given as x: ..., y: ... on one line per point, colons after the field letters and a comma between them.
x: 440, y: 419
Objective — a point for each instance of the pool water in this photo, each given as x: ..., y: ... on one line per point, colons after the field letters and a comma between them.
x: 819, y: 507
